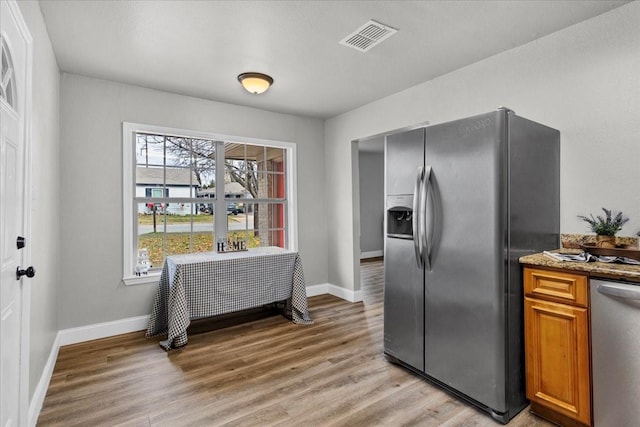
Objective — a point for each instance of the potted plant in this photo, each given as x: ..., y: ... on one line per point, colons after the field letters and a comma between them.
x: 605, y: 227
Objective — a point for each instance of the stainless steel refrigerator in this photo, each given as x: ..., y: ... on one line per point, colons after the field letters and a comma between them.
x: 464, y: 200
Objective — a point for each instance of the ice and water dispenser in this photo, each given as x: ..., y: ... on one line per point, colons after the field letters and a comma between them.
x: 400, y: 216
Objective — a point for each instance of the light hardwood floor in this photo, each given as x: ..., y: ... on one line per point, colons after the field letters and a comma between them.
x: 258, y: 369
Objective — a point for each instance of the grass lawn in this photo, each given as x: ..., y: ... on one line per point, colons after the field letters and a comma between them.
x: 174, y: 219
x: 178, y: 243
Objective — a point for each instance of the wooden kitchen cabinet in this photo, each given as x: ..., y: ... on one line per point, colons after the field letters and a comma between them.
x: 558, y: 373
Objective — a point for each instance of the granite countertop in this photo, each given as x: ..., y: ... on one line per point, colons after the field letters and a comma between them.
x: 595, y: 269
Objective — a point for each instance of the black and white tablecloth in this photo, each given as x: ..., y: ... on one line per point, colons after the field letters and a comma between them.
x: 195, y: 286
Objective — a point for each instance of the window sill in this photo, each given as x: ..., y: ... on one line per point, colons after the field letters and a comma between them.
x: 142, y: 280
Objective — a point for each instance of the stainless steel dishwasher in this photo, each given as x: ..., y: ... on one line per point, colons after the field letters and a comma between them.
x: 615, y: 348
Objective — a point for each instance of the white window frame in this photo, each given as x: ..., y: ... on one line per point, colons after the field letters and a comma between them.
x: 128, y: 189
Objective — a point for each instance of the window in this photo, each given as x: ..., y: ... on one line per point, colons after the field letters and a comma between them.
x: 7, y: 75
x: 184, y: 191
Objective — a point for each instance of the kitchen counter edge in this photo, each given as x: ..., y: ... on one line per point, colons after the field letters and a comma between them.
x: 595, y: 269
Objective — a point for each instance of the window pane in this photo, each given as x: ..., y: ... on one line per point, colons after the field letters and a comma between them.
x: 276, y: 185
x: 149, y: 150
x: 270, y: 174
x: 262, y: 219
x: 9, y: 93
x: 163, y: 233
x: 178, y: 152
x: 277, y: 238
x: 239, y: 171
x: 189, y: 233
x: 203, y: 232
x: 149, y: 177
x: 180, y: 182
x: 275, y: 159
x: 238, y: 218
x: 250, y: 185
x: 150, y: 172
x: 178, y: 234
x: 275, y: 217
x: 150, y: 234
x: 7, y: 75
x: 5, y: 64
x: 203, y: 165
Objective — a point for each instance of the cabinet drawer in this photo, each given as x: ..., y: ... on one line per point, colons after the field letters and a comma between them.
x: 559, y: 286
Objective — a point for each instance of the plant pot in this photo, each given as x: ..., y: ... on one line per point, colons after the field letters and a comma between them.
x: 605, y: 241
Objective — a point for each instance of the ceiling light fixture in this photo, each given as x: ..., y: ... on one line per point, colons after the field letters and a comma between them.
x: 255, y: 83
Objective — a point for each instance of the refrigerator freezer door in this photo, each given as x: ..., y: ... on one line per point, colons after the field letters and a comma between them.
x: 404, y: 154
x: 464, y: 290
x: 403, y: 273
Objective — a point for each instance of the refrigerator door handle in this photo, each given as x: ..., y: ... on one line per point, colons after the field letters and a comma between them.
x: 417, y: 241
x: 426, y: 250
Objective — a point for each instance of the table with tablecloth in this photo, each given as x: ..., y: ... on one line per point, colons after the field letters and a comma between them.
x: 195, y: 286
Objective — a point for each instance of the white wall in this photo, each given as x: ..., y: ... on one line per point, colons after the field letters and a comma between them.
x: 92, y: 112
x: 371, y: 180
x: 583, y: 80
x: 45, y: 195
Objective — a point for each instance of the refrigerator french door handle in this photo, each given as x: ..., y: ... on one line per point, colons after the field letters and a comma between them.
x: 425, y: 244
x: 417, y: 242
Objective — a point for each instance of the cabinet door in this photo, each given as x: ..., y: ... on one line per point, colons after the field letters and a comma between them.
x: 557, y: 358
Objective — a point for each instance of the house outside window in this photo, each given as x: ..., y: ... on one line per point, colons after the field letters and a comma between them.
x: 183, y: 191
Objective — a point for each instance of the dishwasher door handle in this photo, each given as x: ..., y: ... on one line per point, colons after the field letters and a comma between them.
x: 621, y: 291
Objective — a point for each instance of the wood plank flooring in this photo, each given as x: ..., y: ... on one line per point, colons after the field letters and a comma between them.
x: 258, y: 369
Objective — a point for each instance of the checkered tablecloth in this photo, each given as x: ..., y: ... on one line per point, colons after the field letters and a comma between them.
x: 196, y: 286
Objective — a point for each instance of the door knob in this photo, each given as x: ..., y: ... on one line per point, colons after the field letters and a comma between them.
x: 29, y: 272
x: 20, y: 242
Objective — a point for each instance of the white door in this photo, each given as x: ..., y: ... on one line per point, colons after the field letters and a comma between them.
x: 13, y: 83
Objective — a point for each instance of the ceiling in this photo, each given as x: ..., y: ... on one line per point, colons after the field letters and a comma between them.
x: 197, y: 48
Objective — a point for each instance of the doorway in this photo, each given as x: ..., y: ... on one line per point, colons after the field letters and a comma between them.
x: 371, y: 208
x: 368, y: 201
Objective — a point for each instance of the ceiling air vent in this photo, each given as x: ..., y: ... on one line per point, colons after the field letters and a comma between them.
x: 368, y: 36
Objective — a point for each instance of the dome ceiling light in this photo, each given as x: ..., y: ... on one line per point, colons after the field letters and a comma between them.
x: 255, y: 83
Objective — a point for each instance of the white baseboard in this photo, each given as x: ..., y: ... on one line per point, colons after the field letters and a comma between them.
x: 103, y: 330
x: 35, y: 406
x: 371, y: 254
x: 337, y: 291
x: 345, y: 294
x: 315, y: 290
x: 132, y: 324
